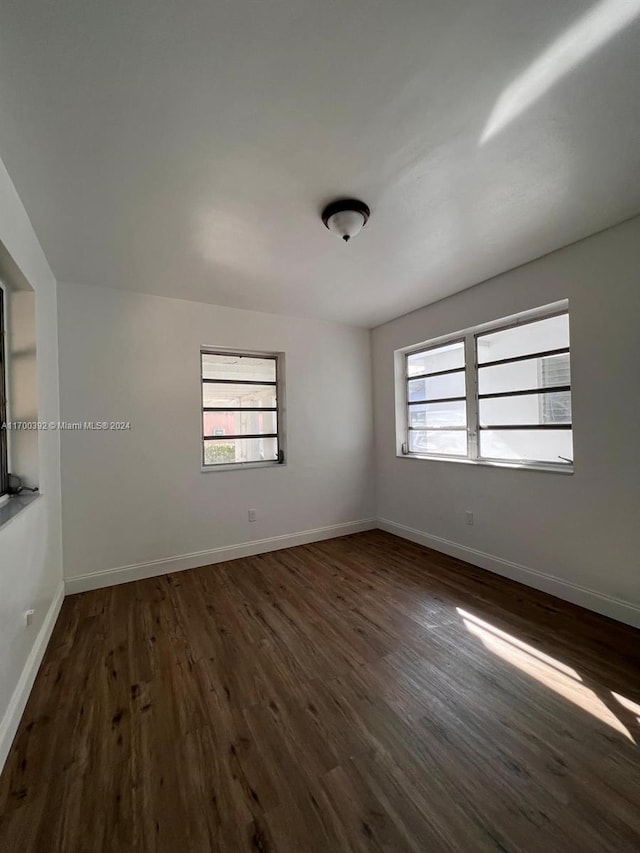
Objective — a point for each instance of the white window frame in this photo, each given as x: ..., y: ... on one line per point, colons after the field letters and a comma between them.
x: 280, y: 434
x: 470, y: 338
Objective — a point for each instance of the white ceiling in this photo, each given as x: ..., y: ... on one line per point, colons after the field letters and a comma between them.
x: 186, y: 149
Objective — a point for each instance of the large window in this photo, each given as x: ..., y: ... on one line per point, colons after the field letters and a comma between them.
x: 241, y: 412
x: 497, y: 394
x: 4, y: 468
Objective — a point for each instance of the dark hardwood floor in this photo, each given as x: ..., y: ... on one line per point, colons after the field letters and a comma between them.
x: 359, y: 694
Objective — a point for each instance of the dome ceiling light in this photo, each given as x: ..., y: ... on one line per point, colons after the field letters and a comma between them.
x: 346, y: 217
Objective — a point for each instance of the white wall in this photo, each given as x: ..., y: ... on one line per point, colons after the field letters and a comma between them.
x: 30, y: 544
x: 138, y: 496
x: 583, y: 530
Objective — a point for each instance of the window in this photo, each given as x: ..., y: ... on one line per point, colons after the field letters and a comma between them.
x: 436, y: 400
x: 4, y: 464
x: 501, y: 393
x: 241, y: 414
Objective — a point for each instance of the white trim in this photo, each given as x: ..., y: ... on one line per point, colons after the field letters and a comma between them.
x: 241, y: 466
x: 18, y: 701
x: 153, y: 568
x: 615, y: 608
x: 550, y: 467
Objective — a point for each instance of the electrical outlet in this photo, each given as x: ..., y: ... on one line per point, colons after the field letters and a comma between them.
x: 252, y: 515
x: 469, y: 517
x: 28, y: 617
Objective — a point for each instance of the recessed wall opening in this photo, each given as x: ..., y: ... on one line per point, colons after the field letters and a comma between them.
x: 20, y: 416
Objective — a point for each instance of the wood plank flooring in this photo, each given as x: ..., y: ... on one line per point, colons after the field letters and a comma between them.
x: 359, y: 694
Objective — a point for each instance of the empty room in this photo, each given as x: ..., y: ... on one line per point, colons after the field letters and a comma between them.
x: 319, y: 466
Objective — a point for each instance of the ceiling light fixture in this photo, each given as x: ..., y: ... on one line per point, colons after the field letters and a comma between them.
x: 346, y: 217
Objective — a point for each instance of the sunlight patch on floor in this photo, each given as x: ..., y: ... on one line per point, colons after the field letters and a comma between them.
x: 550, y: 672
x: 628, y: 704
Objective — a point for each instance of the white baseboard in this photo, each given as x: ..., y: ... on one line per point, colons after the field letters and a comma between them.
x: 139, y: 571
x: 18, y: 702
x: 615, y: 608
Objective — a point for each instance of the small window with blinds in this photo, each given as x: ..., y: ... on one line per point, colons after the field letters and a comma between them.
x: 524, y: 392
x: 436, y: 400
x: 241, y: 409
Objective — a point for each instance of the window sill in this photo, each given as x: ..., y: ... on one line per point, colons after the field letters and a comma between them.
x: 484, y: 463
x: 15, y: 505
x: 241, y: 466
